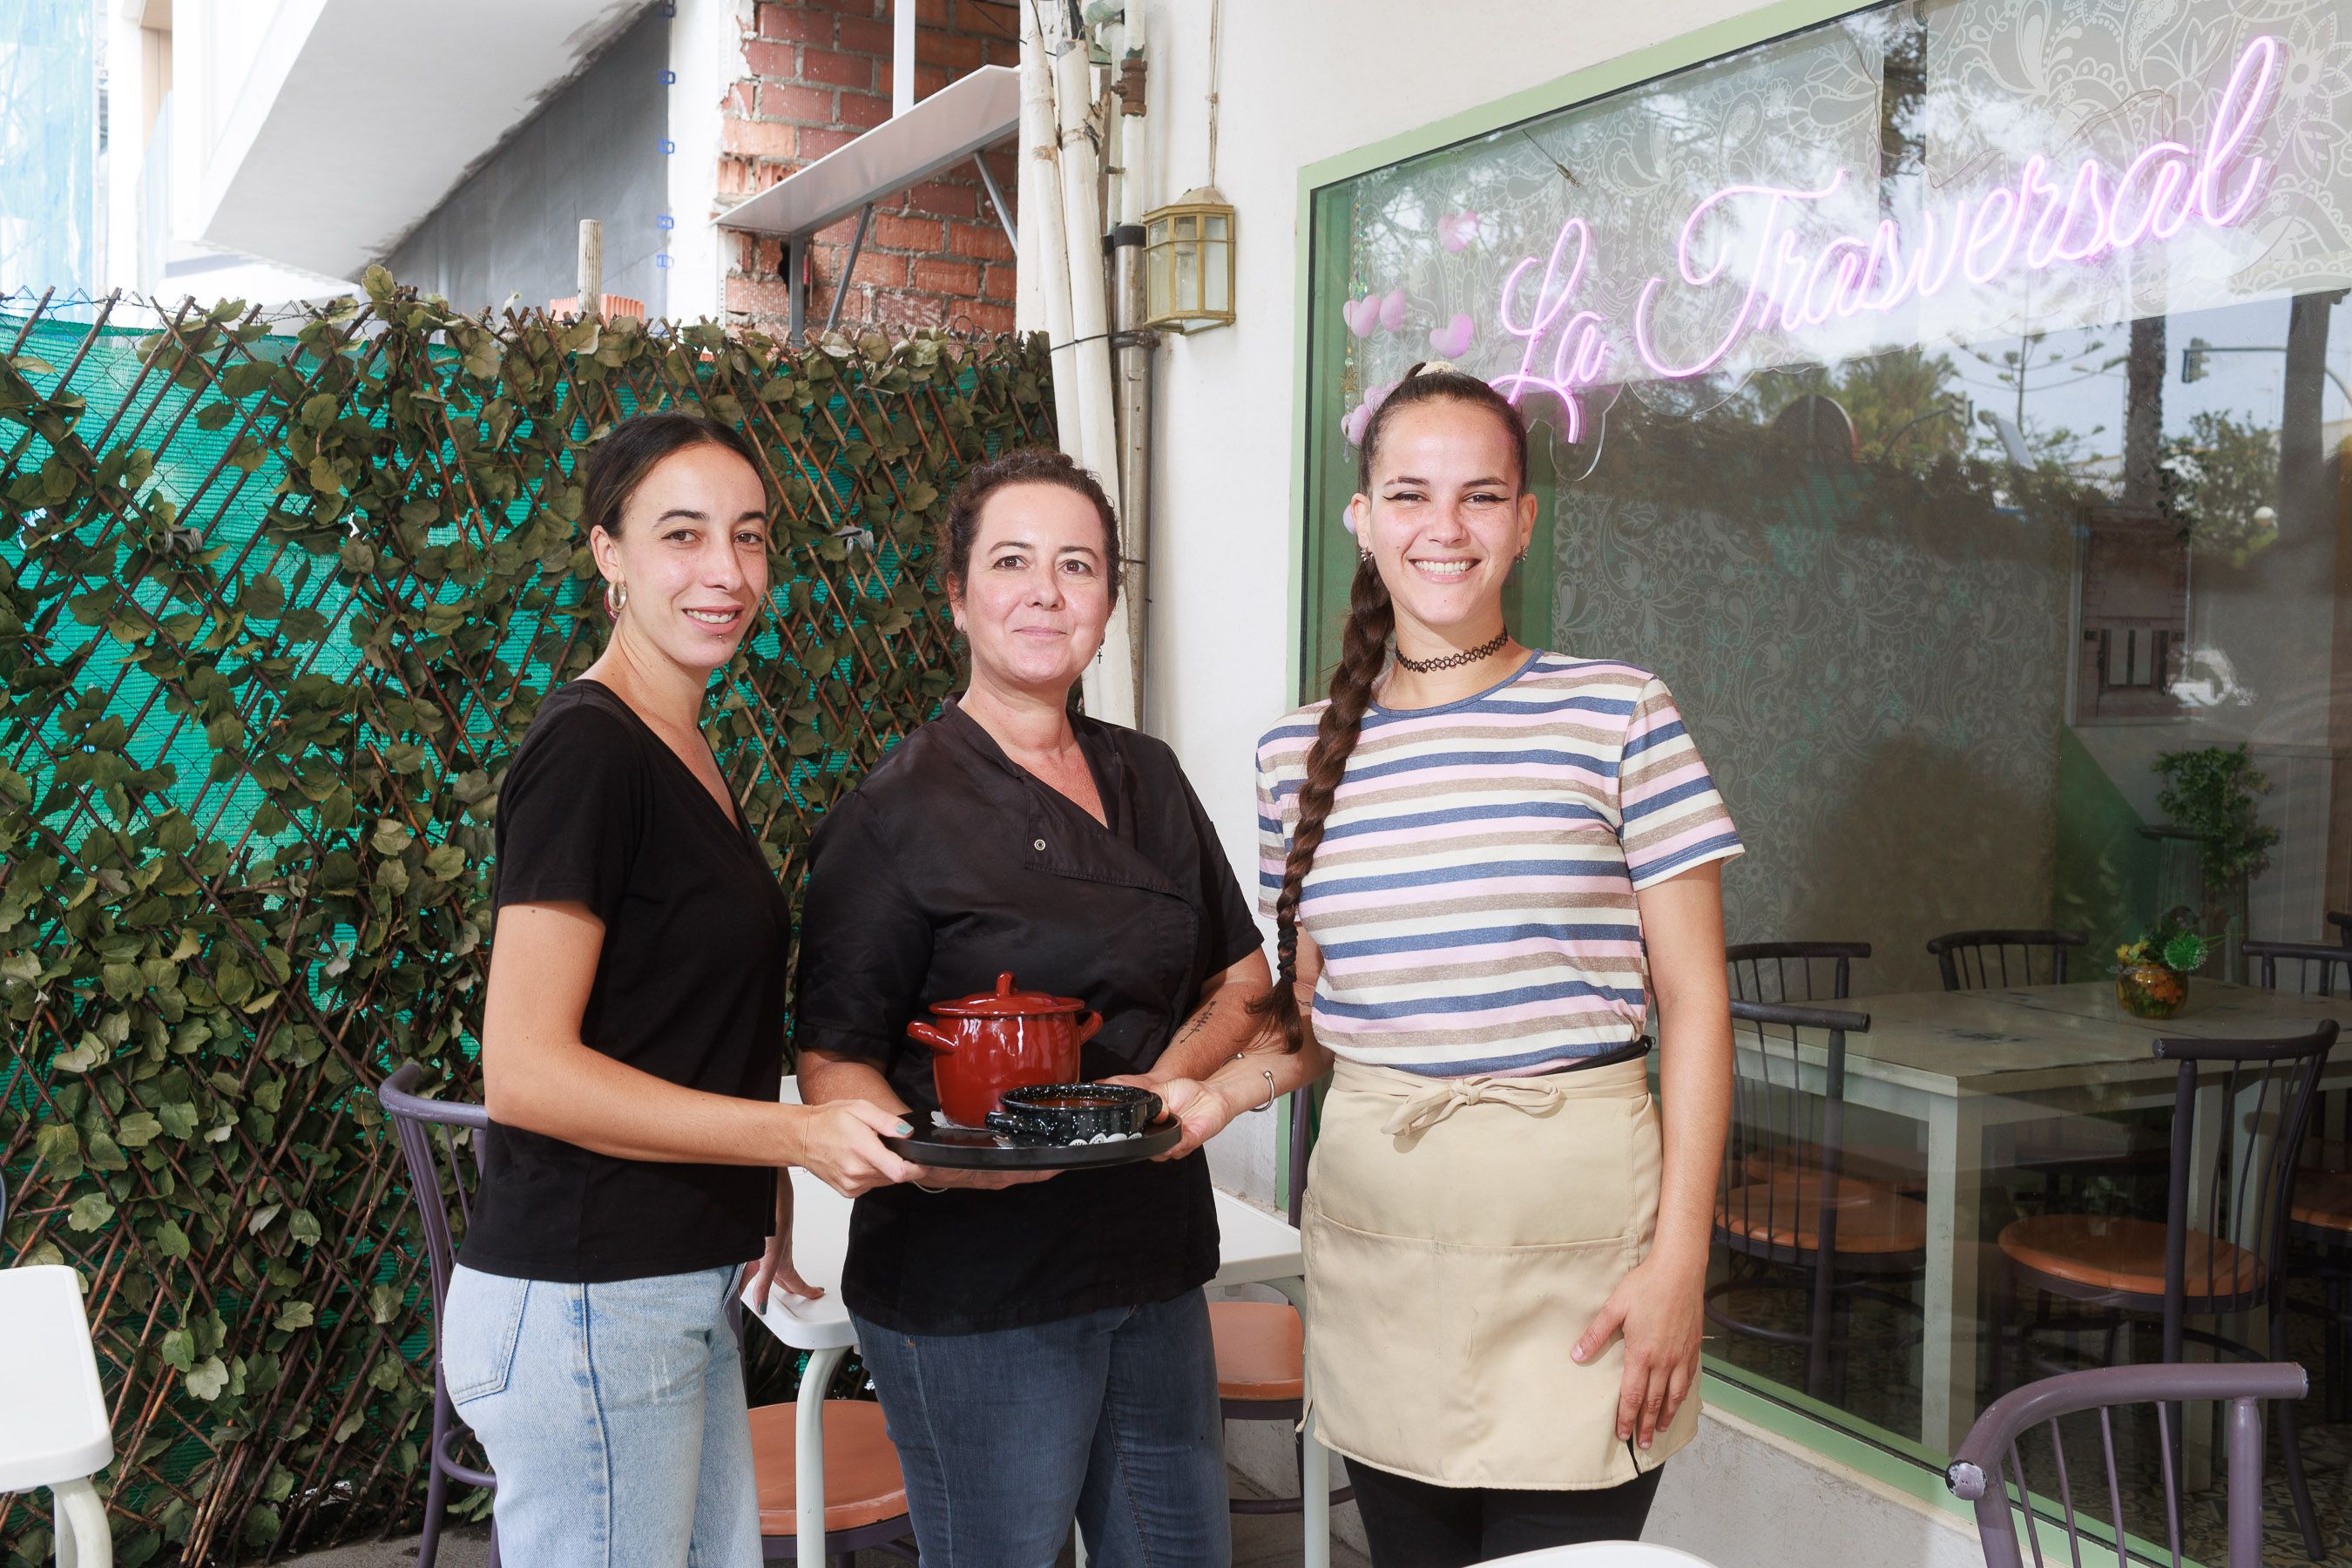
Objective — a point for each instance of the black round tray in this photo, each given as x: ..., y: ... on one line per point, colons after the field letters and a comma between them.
x: 952, y: 1148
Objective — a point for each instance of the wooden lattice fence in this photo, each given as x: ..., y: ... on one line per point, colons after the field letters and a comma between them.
x: 277, y: 602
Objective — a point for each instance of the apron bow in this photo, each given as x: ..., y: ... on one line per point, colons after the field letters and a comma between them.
x: 1432, y: 1105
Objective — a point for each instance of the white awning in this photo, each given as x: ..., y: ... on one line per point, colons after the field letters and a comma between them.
x: 974, y: 111
x: 355, y: 120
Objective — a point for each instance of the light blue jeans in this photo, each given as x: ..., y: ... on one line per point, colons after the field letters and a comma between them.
x: 612, y: 1416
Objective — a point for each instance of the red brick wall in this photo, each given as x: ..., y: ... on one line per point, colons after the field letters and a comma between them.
x: 817, y: 73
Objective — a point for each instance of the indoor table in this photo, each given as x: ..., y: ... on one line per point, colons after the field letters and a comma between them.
x: 1964, y: 1063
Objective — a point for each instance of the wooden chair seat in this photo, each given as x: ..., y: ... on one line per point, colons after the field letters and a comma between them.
x: 1782, y: 1216
x: 1260, y: 1350
x: 2109, y: 1252
x: 2324, y: 1199
x: 1851, y: 1192
x: 1884, y: 1165
x: 862, y: 1483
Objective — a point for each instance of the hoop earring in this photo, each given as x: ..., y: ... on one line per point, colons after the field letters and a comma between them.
x: 616, y: 599
x: 1520, y: 559
x: 1362, y: 553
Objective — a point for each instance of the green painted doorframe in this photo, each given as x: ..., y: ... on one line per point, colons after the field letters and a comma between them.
x: 1321, y: 477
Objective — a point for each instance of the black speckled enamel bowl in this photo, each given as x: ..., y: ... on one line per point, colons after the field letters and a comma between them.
x: 1074, y: 1112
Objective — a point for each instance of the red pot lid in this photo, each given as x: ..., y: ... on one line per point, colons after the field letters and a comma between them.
x: 1006, y: 1003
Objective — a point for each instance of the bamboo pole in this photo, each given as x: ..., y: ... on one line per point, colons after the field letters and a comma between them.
x: 592, y: 269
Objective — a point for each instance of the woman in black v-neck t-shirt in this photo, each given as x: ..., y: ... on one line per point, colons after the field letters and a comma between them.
x: 632, y: 1054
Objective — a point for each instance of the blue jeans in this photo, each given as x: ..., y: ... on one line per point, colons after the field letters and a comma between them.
x: 1111, y: 1417
x: 612, y: 1416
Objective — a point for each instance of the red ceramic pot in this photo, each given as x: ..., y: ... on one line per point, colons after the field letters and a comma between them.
x: 1001, y: 1039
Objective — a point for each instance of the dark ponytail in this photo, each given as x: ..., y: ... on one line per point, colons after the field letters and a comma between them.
x: 1363, y: 654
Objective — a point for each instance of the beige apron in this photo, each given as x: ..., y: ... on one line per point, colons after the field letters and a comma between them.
x: 1460, y: 1235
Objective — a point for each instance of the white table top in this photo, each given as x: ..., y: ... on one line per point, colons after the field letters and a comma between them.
x: 2029, y: 1038
x: 1254, y: 1247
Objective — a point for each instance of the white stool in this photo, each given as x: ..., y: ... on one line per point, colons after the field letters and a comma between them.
x: 1602, y: 1554
x: 53, y: 1430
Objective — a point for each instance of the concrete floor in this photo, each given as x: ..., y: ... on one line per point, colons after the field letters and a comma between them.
x: 1264, y: 1541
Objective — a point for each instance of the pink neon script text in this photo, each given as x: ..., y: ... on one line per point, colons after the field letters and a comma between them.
x: 1796, y: 279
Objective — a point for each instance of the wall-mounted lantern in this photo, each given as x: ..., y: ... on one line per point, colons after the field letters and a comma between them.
x: 1188, y: 262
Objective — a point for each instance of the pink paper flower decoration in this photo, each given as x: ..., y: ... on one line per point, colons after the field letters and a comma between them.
x: 1353, y: 427
x: 1453, y: 340
x: 1456, y: 230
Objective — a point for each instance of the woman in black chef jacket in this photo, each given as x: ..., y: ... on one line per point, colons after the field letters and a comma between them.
x: 1040, y: 1347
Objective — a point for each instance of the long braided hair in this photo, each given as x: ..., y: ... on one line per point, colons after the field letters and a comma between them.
x: 1363, y: 654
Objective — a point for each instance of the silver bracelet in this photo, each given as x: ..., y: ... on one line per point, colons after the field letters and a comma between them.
x: 1268, y: 1074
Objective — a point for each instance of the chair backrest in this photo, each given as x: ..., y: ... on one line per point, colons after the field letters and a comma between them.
x: 1800, y: 972
x: 2312, y: 968
x: 1990, y: 1469
x: 432, y: 1132
x: 2264, y: 1092
x: 1303, y: 1107
x: 1985, y: 959
x: 2341, y: 920
x: 1784, y: 1161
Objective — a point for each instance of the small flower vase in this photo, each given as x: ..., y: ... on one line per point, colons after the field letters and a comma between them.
x: 2151, y: 990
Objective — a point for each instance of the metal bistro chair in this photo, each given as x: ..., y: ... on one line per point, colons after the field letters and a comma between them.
x: 1991, y: 1449
x: 1981, y: 960
x: 431, y: 1133
x: 2060, y: 1153
x: 1787, y: 1207
x: 1804, y: 973
x: 1261, y: 1346
x: 2224, y: 1237
x: 2315, y: 968
x: 2309, y: 969
x: 2342, y: 920
x: 2321, y: 1221
x: 865, y: 1500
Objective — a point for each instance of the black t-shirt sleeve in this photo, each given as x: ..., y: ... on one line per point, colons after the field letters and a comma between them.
x: 1232, y: 929
x: 570, y: 815
x: 865, y: 943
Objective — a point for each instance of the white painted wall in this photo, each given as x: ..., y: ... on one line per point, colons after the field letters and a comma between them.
x: 1303, y: 81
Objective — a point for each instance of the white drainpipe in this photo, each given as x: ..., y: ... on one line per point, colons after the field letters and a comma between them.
x: 1110, y: 682
x: 1133, y: 371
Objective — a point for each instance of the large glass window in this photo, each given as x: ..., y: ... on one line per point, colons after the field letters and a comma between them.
x: 1948, y: 401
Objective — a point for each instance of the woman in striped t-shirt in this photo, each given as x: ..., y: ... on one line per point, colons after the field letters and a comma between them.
x: 1481, y: 858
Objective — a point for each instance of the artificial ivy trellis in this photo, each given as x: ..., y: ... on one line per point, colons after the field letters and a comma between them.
x: 275, y: 609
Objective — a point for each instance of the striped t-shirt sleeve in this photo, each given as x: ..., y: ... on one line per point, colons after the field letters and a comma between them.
x: 1670, y: 816
x: 1273, y: 836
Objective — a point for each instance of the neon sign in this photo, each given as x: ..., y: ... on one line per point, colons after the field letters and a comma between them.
x: 1798, y: 276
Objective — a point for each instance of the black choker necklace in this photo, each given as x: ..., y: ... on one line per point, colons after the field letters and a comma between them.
x: 1485, y: 651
